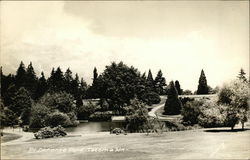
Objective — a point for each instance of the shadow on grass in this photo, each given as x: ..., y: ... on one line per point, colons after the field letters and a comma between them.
x: 226, y: 130
x: 9, y: 137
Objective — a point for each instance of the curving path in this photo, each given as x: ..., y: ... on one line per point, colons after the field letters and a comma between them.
x: 152, y: 112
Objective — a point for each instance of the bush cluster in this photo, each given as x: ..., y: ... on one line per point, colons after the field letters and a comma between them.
x: 151, y: 98
x: 48, y: 132
x: 117, y: 131
x: 101, y: 116
x: 53, y: 110
x: 191, y: 111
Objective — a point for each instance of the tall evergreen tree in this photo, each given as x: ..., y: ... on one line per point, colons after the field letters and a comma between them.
x: 6, y: 82
x: 178, y: 87
x: 42, y: 87
x: 31, y: 80
x: 68, y: 81
x: 94, y: 90
x: 242, y: 76
x: 159, y: 83
x: 173, y: 104
x: 10, y: 93
x: 56, y: 81
x: 75, y: 86
x: 20, y: 78
x: 21, y: 104
x: 202, y: 87
x: 95, y: 76
x: 150, y: 81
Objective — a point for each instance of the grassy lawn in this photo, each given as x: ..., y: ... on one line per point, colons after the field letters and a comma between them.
x: 9, y: 137
x: 192, y: 144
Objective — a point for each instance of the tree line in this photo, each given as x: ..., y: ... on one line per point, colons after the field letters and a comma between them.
x: 116, y: 86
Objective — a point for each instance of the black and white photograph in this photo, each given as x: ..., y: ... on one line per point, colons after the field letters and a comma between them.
x: 124, y: 80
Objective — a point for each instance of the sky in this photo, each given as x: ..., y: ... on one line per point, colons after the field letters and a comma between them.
x: 178, y: 37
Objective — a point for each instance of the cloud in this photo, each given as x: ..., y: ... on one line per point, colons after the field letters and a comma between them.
x: 50, y: 37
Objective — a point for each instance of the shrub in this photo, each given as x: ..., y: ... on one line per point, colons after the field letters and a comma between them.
x: 101, y: 116
x: 39, y: 113
x: 117, y: 131
x: 48, y: 132
x: 185, y: 100
x: 58, y: 118
x: 137, y: 117
x: 73, y: 119
x: 84, y: 111
x: 235, y: 95
x: 191, y: 111
x: 212, y: 115
x: 151, y: 98
x: 175, y: 126
x: 61, y: 101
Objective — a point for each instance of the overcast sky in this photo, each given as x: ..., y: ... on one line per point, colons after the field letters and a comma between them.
x: 178, y: 37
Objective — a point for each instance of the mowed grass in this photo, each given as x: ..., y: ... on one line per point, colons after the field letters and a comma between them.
x: 192, y: 144
x: 9, y: 137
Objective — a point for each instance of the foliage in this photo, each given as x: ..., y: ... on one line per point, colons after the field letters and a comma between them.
x: 117, y: 131
x: 187, y: 92
x: 151, y: 98
x: 20, y: 78
x: 84, y: 111
x: 150, y: 81
x: 61, y: 101
x: 137, y: 116
x: 21, y: 104
x: 191, y: 111
x: 48, y: 132
x: 212, y: 115
x: 173, y: 104
x: 101, y: 116
x: 42, y: 87
x: 235, y: 95
x: 178, y: 87
x: 120, y: 83
x: 58, y: 118
x: 31, y: 80
x: 202, y: 87
x: 160, y: 83
x: 241, y: 75
x: 174, y: 126
x: 39, y: 114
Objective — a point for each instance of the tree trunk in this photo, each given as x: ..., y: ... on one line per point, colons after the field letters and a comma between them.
x: 242, y: 125
x: 232, y: 127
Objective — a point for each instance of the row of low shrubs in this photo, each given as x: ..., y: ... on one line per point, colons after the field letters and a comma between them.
x: 48, y: 132
x: 101, y: 116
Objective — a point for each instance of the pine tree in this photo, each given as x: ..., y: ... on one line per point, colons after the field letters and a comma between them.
x: 150, y: 81
x: 6, y: 82
x: 56, y: 81
x: 241, y: 75
x: 178, y: 87
x: 20, y: 78
x: 173, y: 104
x: 21, y: 105
x: 202, y: 87
x: 42, y: 87
x: 159, y: 83
x: 95, y: 76
x: 31, y: 80
x: 68, y: 81
x: 83, y: 88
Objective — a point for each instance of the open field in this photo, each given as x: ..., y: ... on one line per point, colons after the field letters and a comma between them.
x: 218, y: 143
